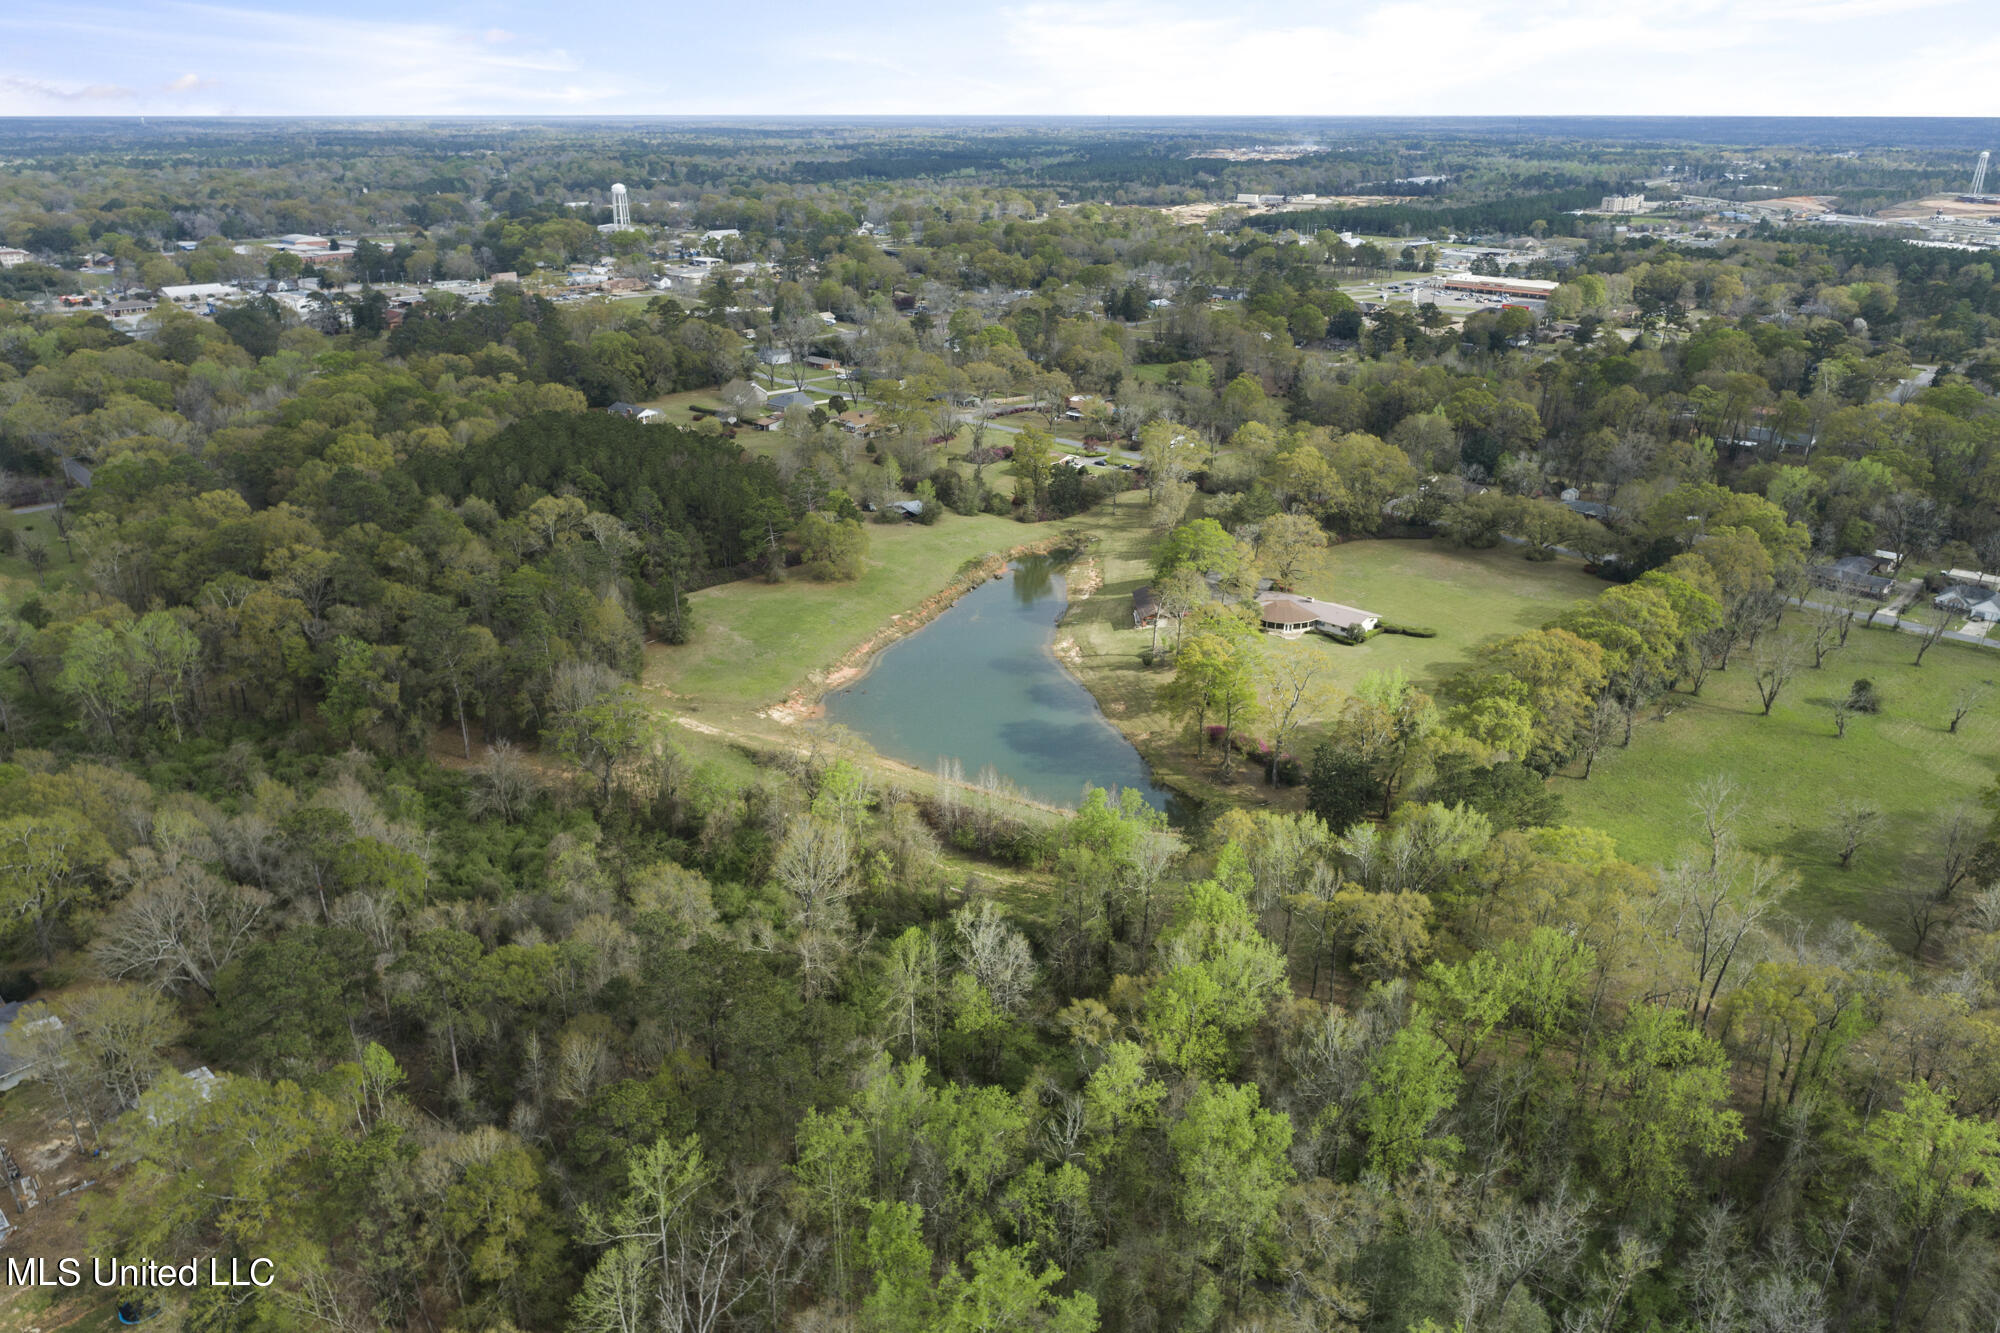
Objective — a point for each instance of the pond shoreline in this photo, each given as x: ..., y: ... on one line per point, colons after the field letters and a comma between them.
x: 807, y: 702
x: 1004, y: 644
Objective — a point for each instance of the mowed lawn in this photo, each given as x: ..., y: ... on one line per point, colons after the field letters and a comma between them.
x: 1469, y: 597
x: 18, y: 574
x: 675, y: 406
x: 755, y: 642
x: 1792, y: 771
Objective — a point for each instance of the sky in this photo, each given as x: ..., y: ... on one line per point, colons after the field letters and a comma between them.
x: 993, y: 57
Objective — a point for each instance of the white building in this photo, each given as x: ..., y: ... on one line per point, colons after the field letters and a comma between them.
x: 1509, y: 289
x: 1622, y: 203
x: 193, y: 293
x: 9, y: 256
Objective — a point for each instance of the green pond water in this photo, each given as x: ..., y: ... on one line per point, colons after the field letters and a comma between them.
x: 981, y: 685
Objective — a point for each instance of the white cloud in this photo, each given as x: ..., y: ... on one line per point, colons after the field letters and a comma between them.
x: 41, y: 90
x: 1051, y: 57
x: 326, y: 62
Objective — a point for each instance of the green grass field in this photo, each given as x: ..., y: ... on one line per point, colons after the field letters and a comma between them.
x: 1791, y: 771
x: 1467, y: 596
x: 755, y: 642
x: 674, y: 406
x: 17, y: 572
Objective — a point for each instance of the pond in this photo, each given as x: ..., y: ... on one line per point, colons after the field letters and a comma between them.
x: 981, y: 685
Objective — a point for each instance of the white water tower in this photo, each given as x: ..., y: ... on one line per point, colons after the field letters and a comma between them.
x: 621, y: 207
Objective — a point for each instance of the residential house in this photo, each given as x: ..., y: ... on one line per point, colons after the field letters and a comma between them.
x: 1282, y: 615
x: 1291, y: 614
x: 9, y: 256
x: 779, y: 402
x: 623, y: 409
x: 1970, y: 601
x: 1145, y: 608
x: 14, y: 1066
x: 1855, y: 574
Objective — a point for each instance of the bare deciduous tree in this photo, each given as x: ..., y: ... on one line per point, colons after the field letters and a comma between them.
x: 502, y: 783
x: 1519, y: 1243
x: 1717, y: 806
x: 1854, y: 822
x: 180, y: 926
x: 1775, y: 667
x: 1919, y: 908
x: 1957, y: 837
x: 815, y: 867
x: 1826, y: 629
x: 1712, y: 911
x: 1603, y: 724
x: 995, y: 954
x: 1933, y: 625
x: 1968, y: 698
x: 1295, y: 688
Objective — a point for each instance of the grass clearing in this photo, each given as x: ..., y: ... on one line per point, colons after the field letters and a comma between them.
x: 1792, y: 771
x: 756, y: 642
x: 1467, y: 596
x: 17, y: 572
x: 675, y: 406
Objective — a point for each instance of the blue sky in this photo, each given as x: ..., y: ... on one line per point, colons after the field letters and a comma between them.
x: 1120, y: 57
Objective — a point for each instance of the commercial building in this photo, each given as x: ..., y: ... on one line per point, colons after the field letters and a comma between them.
x: 1517, y: 289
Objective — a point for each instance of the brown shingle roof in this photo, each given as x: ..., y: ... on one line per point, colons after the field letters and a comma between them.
x: 1287, y: 613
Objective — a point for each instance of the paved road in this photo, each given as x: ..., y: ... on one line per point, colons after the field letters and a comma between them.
x: 971, y: 418
x: 1976, y: 637
x: 1907, y: 389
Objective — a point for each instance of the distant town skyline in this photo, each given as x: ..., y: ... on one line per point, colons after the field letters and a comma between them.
x: 1093, y: 57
